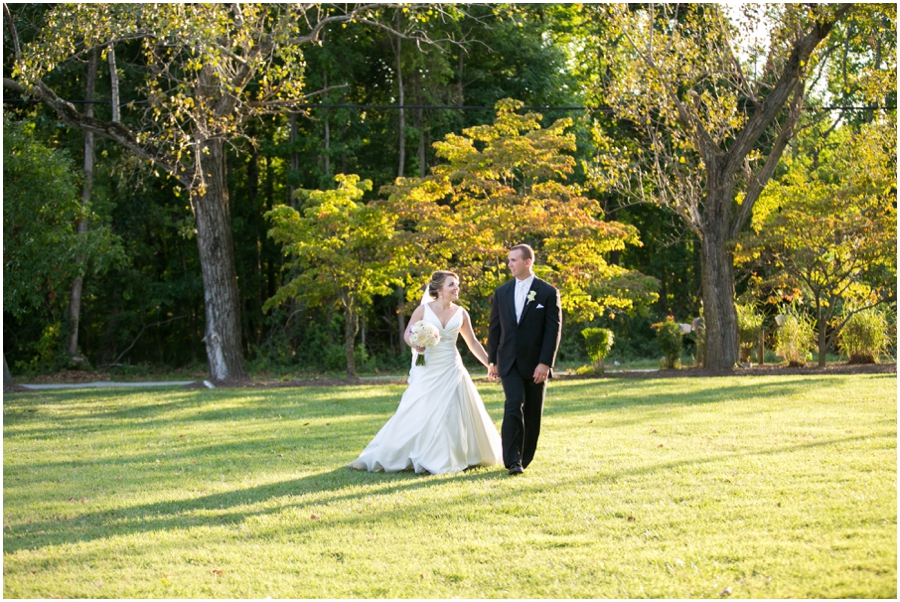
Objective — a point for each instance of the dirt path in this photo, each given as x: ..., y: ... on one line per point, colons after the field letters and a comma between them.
x: 72, y: 380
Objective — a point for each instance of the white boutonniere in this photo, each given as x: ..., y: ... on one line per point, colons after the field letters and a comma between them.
x: 531, y: 295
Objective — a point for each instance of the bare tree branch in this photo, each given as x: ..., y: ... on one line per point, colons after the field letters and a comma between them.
x: 70, y: 116
x: 313, y: 35
x: 127, y: 349
x: 756, y: 183
x: 294, y: 101
x: 784, y: 87
x: 14, y: 34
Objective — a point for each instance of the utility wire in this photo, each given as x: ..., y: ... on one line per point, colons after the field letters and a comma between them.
x: 440, y: 107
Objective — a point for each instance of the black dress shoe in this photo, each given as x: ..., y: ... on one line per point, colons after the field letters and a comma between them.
x: 516, y: 470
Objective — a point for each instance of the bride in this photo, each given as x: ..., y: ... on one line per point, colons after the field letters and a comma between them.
x: 440, y: 425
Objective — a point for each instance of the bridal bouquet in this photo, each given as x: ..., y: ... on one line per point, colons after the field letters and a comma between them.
x: 423, y: 334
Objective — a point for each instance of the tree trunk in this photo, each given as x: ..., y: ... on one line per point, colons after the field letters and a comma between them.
x: 259, y: 227
x: 401, y: 319
x: 327, y: 152
x: 823, y: 339
x: 113, y: 84
x: 460, y: 88
x: 423, y: 171
x: 718, y: 307
x: 220, y: 288
x: 7, y: 376
x: 271, y: 260
x: 351, y: 327
x: 717, y: 272
x: 402, y: 126
x: 109, y: 344
x: 78, y: 283
x: 295, y: 158
x: 761, y: 355
x: 327, y: 145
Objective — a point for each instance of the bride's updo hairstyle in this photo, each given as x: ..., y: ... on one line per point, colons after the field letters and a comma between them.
x: 437, y: 282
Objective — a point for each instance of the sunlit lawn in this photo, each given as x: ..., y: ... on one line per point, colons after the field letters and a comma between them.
x: 773, y: 487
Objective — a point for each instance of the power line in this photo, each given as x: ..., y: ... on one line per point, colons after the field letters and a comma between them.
x: 443, y: 107
x: 337, y: 106
x: 446, y: 107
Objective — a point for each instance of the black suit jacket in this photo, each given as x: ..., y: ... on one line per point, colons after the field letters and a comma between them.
x: 534, y: 339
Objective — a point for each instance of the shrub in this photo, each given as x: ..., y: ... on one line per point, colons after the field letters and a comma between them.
x: 669, y: 338
x: 598, y: 342
x: 750, y: 324
x: 864, y: 336
x: 795, y: 338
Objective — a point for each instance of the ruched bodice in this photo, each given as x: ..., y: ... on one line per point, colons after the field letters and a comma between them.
x: 440, y: 425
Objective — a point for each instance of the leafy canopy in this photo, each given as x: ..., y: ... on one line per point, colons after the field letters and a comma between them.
x: 828, y: 226
x: 41, y: 207
x: 337, y: 246
x: 505, y: 183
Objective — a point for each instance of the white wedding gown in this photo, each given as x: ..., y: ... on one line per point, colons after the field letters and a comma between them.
x: 440, y: 425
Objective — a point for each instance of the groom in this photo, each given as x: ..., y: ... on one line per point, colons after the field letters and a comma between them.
x: 523, y: 337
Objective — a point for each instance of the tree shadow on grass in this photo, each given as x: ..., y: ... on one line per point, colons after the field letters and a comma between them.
x: 152, y: 456
x: 103, y: 408
x: 297, y: 496
x: 612, y: 474
x: 226, y: 508
x: 227, y: 519
x: 606, y: 395
x: 300, y: 499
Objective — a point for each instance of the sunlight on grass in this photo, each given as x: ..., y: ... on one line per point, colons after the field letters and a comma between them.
x: 777, y: 486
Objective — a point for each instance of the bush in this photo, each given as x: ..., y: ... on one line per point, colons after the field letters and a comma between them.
x: 795, y: 337
x: 669, y: 338
x: 750, y: 324
x: 598, y: 342
x: 634, y: 340
x: 864, y: 336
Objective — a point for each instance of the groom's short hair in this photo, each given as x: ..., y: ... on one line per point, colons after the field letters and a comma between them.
x: 527, y: 251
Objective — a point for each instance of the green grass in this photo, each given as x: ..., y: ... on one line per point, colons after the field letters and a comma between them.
x: 774, y: 487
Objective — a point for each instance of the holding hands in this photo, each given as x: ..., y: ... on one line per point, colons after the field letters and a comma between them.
x: 541, y: 373
x: 493, y: 374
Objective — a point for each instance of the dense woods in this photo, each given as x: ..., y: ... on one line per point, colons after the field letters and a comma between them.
x: 248, y: 187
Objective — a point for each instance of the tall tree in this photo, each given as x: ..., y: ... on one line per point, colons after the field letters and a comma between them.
x: 336, y: 247
x: 87, y: 186
x: 208, y: 71
x: 714, y: 109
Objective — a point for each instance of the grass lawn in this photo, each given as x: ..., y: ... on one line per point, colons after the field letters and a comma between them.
x: 768, y: 486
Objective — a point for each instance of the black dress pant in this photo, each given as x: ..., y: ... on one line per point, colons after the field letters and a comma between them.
x: 521, y: 418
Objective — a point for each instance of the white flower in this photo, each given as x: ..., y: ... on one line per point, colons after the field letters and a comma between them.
x: 423, y: 334
x: 531, y: 295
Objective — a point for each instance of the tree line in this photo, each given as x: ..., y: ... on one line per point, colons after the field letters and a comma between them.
x: 234, y: 203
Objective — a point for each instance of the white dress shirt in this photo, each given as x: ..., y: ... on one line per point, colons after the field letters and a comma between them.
x: 522, y: 287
